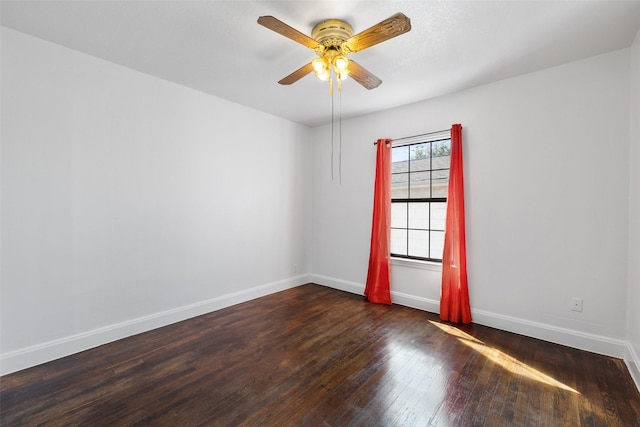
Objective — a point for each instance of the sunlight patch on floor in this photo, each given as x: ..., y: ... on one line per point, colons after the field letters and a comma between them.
x: 504, y: 360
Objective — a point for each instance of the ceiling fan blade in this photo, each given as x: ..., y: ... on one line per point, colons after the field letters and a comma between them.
x: 280, y: 27
x: 297, y: 75
x: 385, y: 30
x: 358, y: 73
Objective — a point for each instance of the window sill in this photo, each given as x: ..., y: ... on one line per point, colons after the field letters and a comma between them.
x: 413, y: 263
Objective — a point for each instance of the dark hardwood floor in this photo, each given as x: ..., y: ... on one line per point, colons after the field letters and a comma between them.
x: 315, y: 356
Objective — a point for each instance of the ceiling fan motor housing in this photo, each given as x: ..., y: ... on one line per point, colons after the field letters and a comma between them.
x: 332, y: 33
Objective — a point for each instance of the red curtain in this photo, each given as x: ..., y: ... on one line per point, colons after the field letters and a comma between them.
x: 378, y: 277
x: 454, y: 302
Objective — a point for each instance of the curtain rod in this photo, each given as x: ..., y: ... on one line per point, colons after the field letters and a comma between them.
x: 416, y: 136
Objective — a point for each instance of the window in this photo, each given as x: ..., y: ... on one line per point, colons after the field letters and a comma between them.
x: 419, y: 185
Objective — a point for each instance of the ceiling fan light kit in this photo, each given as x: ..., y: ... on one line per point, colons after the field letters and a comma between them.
x: 333, y: 40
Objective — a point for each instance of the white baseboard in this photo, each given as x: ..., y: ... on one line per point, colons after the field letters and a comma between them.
x: 343, y: 285
x: 34, y: 355
x: 571, y: 338
x: 633, y: 364
x: 397, y: 297
x: 413, y: 301
x: 564, y: 336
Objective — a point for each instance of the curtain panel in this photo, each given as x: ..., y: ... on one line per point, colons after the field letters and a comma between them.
x: 377, y: 289
x: 454, y: 301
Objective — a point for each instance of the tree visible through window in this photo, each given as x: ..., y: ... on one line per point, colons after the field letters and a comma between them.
x: 419, y: 184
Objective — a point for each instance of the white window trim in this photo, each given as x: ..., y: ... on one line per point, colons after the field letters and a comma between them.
x: 416, y: 263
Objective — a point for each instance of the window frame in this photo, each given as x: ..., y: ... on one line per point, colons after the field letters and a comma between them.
x: 434, y: 138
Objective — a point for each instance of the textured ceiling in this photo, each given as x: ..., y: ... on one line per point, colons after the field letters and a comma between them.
x: 217, y: 46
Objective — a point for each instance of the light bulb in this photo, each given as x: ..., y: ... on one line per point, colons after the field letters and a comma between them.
x: 340, y: 63
x: 323, y: 74
x: 318, y: 64
x: 343, y: 75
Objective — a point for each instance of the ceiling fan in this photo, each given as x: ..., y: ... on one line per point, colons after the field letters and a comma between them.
x: 333, y: 40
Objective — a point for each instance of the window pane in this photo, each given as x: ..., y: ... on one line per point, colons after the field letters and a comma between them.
x: 437, y: 244
x: 398, y: 242
x: 438, y: 215
x: 400, y: 186
x: 400, y: 159
x: 420, y: 151
x: 441, y: 148
x: 442, y: 162
x: 419, y: 215
x: 420, y: 165
x: 418, y: 243
x: 398, y: 215
x: 440, y: 183
x: 420, y: 182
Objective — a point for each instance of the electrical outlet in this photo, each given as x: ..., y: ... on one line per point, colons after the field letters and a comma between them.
x: 576, y: 304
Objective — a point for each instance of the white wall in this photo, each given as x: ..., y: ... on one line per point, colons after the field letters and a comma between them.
x: 633, y: 308
x: 547, y: 187
x: 129, y: 202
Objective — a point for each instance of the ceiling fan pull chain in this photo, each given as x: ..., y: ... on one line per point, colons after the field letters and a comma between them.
x: 340, y: 130
x: 331, y: 138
